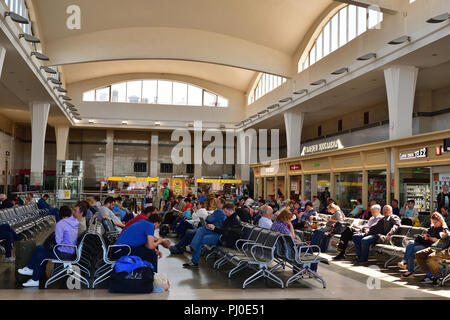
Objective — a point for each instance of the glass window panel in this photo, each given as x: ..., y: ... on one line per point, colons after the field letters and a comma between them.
x: 334, y: 33
x: 326, y: 40
x: 348, y: 188
x: 375, y: 17
x: 342, y: 27
x: 164, y: 92
x: 312, y: 56
x: 119, y: 92
x: 319, y: 47
x: 134, y: 91
x: 102, y: 94
x: 89, y: 96
x: 362, y: 20
x: 210, y: 99
x: 351, y: 22
x: 195, y: 96
x: 222, y: 102
x: 179, y: 93
x: 149, y: 91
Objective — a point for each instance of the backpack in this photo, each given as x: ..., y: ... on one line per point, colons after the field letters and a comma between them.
x: 139, y: 280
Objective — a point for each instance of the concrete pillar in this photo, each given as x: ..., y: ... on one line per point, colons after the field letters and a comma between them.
x: 2, y: 58
x: 293, y: 121
x: 153, y: 172
x: 62, y: 142
x: 109, y: 154
x: 39, y: 117
x: 400, y: 87
x: 313, y: 185
x: 246, y: 153
x: 332, y: 185
x: 365, y: 188
x: 302, y: 187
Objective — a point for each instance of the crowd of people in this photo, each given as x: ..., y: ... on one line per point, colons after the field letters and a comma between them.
x: 188, y: 219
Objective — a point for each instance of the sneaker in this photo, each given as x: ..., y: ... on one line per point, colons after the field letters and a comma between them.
x: 189, y: 249
x: 31, y: 283
x: 10, y: 260
x: 190, y: 264
x: 25, y: 271
x: 340, y: 256
x: 402, y: 265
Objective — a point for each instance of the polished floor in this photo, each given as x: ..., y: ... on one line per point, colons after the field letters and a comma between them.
x: 344, y: 281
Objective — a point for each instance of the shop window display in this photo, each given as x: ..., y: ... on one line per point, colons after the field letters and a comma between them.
x: 348, y: 189
x: 377, y: 186
x: 415, y: 185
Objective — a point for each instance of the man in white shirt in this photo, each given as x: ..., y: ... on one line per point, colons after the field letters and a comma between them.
x: 200, y: 213
x: 105, y: 212
x: 266, y: 220
x: 347, y: 235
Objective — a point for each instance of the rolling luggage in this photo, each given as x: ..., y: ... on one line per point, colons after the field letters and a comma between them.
x: 24, y: 251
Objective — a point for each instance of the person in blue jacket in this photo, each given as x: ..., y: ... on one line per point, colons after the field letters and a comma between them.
x: 43, y: 205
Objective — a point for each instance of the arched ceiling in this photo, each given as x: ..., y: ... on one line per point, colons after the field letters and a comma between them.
x: 251, y: 34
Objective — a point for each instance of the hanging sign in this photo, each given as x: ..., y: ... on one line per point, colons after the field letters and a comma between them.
x: 421, y: 153
x: 321, y: 147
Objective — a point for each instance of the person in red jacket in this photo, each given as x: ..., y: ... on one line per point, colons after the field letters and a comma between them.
x: 145, y: 214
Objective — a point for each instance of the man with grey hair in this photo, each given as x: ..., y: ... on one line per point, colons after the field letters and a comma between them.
x: 266, y: 219
x: 379, y: 232
x: 348, y: 233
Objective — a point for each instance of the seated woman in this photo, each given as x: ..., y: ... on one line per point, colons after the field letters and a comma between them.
x: 66, y: 233
x: 433, y: 234
x: 283, y: 223
x: 320, y: 236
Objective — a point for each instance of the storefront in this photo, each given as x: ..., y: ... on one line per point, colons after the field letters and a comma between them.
x: 409, y: 168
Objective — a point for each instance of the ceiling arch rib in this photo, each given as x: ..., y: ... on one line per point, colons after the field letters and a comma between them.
x: 168, y: 43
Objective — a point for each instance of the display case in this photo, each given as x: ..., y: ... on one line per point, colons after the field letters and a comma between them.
x: 69, y: 181
x: 421, y: 194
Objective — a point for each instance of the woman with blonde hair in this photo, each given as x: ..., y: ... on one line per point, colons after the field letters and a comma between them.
x: 438, y: 225
x: 283, y: 223
x: 321, y: 236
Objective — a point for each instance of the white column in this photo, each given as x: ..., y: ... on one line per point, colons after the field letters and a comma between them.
x: 39, y: 117
x: 246, y: 153
x: 2, y: 58
x: 400, y: 87
x: 198, y: 149
x: 154, y: 154
x: 62, y: 141
x: 109, y: 153
x: 293, y: 121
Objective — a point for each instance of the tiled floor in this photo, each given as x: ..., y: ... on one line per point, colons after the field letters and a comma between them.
x: 344, y: 281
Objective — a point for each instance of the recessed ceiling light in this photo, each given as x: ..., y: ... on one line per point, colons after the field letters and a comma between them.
x: 190, y: 124
x: 301, y: 91
x: 91, y: 121
x: 60, y: 89
x: 340, y: 71
x: 222, y: 126
x: 157, y: 123
x: 253, y: 117
x: 400, y: 40
x: 49, y: 70
x: 262, y: 112
x: 17, y: 18
x: 65, y: 97
x: 440, y: 18
x: 77, y: 118
x: 29, y: 38
x: 124, y: 122
x: 316, y: 83
x: 53, y: 80
x: 68, y: 104
x: 367, y: 56
x: 285, y: 99
x: 240, y: 124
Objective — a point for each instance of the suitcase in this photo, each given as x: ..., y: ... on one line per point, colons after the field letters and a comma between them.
x: 24, y: 251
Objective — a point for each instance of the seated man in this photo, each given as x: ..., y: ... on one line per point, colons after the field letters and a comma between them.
x: 358, y: 209
x: 144, y: 215
x: 140, y: 236
x: 230, y: 229
x: 216, y: 218
x: 348, y: 233
x: 8, y: 234
x: 118, y: 209
x: 266, y: 217
x: 42, y: 204
x: 104, y: 212
x: 243, y: 212
x: 306, y: 217
x: 10, y: 202
x: 381, y: 231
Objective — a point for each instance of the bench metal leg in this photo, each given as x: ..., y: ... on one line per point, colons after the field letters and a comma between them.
x: 391, y: 259
x: 238, y: 268
x: 102, y: 278
x: 253, y: 278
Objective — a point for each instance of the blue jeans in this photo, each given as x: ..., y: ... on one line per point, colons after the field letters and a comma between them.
x: 54, y: 212
x: 202, y: 236
x: 362, y: 245
x: 411, y: 249
x: 39, y: 254
x: 186, y: 240
x: 8, y: 234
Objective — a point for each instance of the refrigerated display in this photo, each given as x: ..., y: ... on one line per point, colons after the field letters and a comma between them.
x: 420, y: 193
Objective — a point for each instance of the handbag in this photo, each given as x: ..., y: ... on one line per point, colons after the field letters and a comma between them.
x: 139, y: 280
x: 441, y: 244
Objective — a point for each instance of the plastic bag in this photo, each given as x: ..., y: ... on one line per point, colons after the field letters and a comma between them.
x: 160, y: 283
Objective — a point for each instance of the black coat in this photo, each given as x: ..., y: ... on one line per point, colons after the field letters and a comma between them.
x: 230, y: 230
x: 441, y: 200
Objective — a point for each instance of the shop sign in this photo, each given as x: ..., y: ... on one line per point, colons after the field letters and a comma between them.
x: 295, y: 167
x: 268, y: 170
x: 421, y: 153
x: 321, y: 147
x: 218, y: 181
x: 445, y: 177
x: 438, y: 150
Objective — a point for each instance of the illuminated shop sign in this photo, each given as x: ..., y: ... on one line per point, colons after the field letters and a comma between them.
x: 133, y: 179
x: 421, y: 153
x: 219, y: 181
x: 321, y: 147
x: 295, y: 167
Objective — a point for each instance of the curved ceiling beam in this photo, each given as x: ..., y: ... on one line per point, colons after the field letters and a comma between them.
x: 168, y: 43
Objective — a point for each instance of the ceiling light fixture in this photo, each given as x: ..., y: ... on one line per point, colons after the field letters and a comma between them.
x: 273, y: 107
x: 285, y: 99
x: 240, y: 124
x: 157, y: 124
x: 54, y: 81
x: 68, y: 104
x: 440, y: 18
x: 316, y: 83
x: 49, y: 70
x: 301, y: 91
x: 367, y: 56
x: 340, y: 71
x: 400, y: 40
x: 261, y: 113
x: 222, y: 126
x: 77, y: 118
x: 60, y: 89
x: 65, y: 97
x: 17, y: 18
x: 75, y: 114
x: 125, y: 122
x: 40, y: 56
x: 254, y: 117
x: 91, y: 121
x: 29, y: 38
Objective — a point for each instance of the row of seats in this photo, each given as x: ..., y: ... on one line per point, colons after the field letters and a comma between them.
x: 265, y: 251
